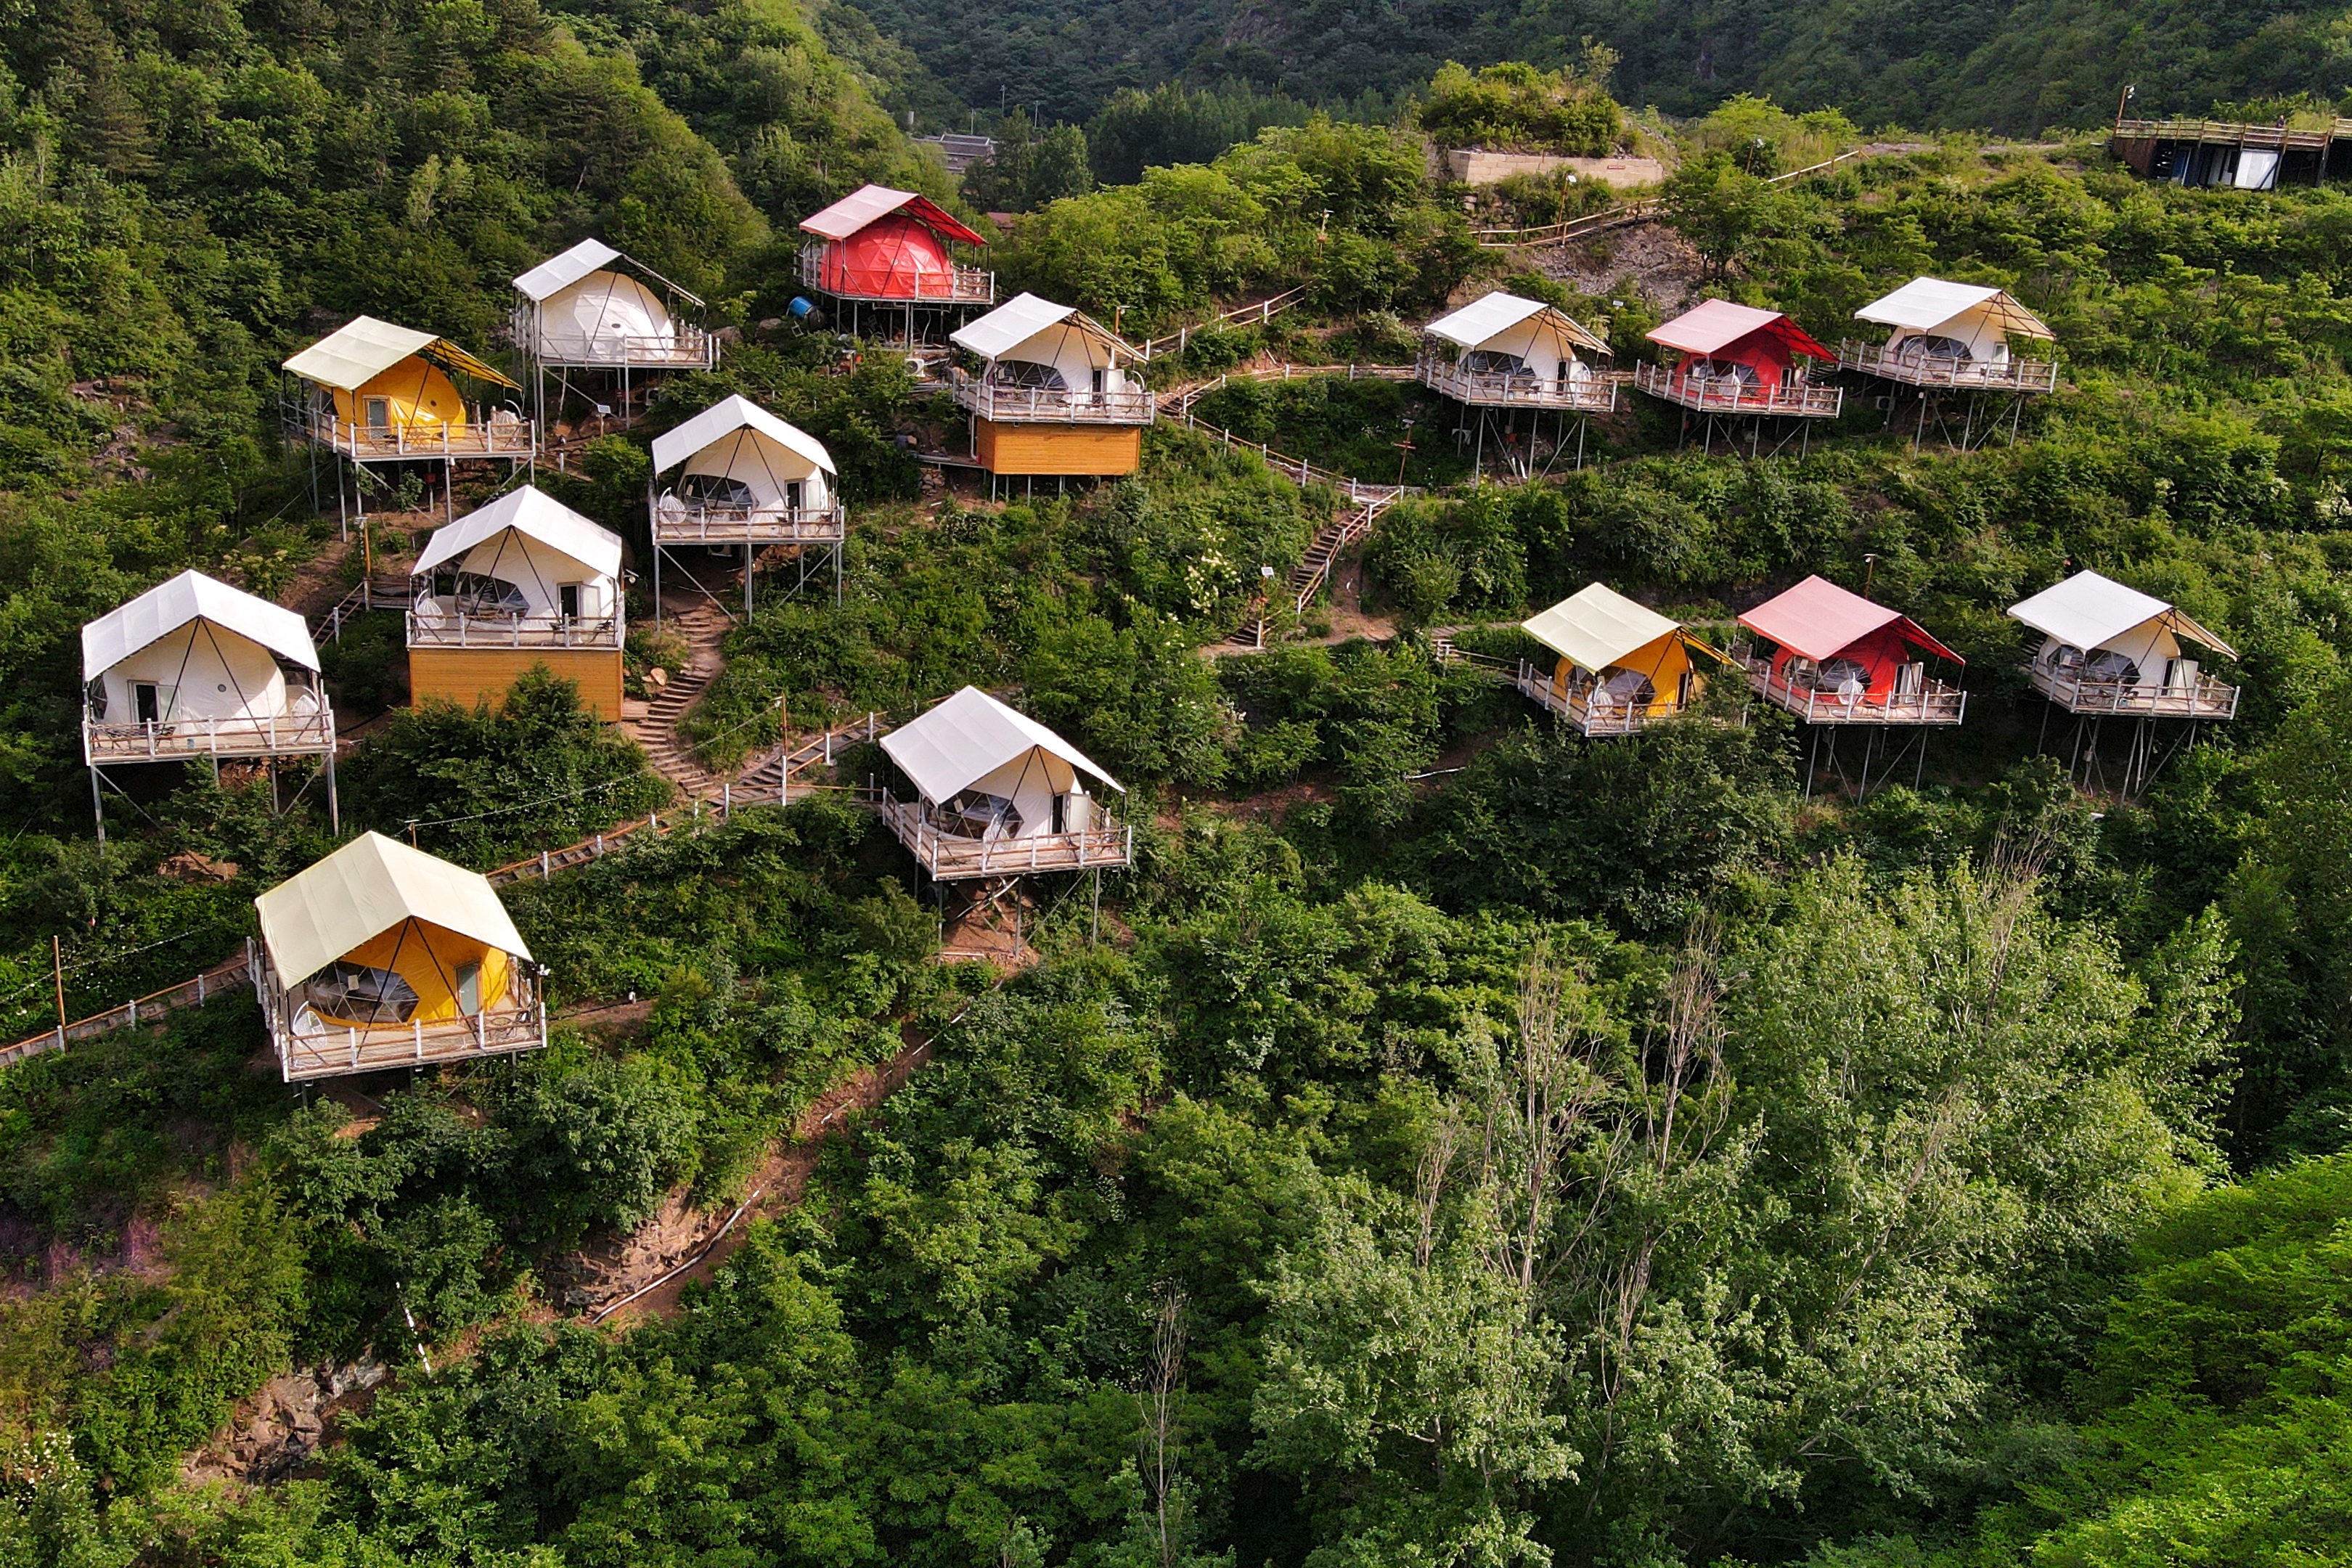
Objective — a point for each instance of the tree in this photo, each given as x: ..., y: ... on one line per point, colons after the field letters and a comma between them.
x: 1718, y: 206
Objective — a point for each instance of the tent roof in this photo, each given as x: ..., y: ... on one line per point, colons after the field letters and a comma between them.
x: 166, y: 607
x: 367, y: 887
x: 1596, y: 625
x: 1719, y: 323
x: 1818, y: 619
x: 969, y: 737
x: 535, y: 514
x: 1022, y: 317
x: 864, y: 204
x: 1925, y: 303
x: 363, y: 349
x: 560, y: 272
x: 2087, y: 610
x: 729, y: 415
x: 1481, y: 319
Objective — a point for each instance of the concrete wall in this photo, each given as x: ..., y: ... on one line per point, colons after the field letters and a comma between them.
x: 1469, y: 166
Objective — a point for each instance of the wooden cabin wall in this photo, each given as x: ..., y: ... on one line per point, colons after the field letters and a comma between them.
x: 1049, y: 449
x: 468, y: 676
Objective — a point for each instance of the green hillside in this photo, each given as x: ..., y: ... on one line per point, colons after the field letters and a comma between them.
x: 1449, y: 1140
x: 1984, y: 64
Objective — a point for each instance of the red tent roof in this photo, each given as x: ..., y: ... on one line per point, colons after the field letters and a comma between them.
x: 864, y: 204
x: 1719, y: 323
x: 1818, y: 619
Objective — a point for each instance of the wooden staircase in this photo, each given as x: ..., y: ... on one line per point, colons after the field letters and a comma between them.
x: 1313, y: 568
x: 704, y: 625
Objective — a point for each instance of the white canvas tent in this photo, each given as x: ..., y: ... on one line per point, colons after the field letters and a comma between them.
x: 589, y: 307
x: 994, y: 772
x: 195, y: 648
x: 1033, y: 342
x: 741, y: 451
x: 550, y: 560
x: 1504, y: 333
x: 2099, y: 630
x: 1932, y: 317
x: 1597, y: 626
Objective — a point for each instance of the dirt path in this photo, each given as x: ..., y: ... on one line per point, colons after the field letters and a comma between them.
x: 643, y: 1285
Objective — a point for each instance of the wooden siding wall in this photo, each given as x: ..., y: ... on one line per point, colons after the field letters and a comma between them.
x: 467, y: 675
x: 1057, y: 448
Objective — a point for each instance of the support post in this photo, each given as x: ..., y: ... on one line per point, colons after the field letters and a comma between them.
x: 334, y: 803
x: 98, y: 805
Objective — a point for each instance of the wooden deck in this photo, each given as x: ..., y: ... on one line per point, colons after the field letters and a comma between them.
x: 2012, y: 374
x: 336, y: 1050
x: 961, y: 285
x: 1937, y: 704
x: 1725, y: 395
x: 509, y: 440
x: 1595, y: 395
x: 2234, y: 133
x: 1040, y: 405
x: 951, y: 857
x: 687, y: 348
x: 686, y: 523
x: 1586, y: 709
x: 278, y: 735
x: 429, y: 629
x: 2207, y: 699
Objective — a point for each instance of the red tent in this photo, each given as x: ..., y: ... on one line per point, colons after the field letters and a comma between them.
x: 881, y: 244
x: 1735, y: 337
x: 1819, y: 622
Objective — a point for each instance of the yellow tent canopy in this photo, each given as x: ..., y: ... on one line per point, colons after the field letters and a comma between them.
x: 352, y: 355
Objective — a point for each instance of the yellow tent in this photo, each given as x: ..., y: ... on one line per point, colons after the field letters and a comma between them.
x: 1621, y: 651
x: 382, y: 376
x: 378, y: 933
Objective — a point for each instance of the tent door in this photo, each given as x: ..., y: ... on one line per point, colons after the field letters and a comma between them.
x: 379, y: 414
x: 1101, y: 383
x: 469, y: 988
x: 1910, y: 679
x: 144, y: 701
x: 2180, y: 674
x: 567, y: 596
x: 791, y: 495
x: 1684, y: 688
x: 1061, y: 814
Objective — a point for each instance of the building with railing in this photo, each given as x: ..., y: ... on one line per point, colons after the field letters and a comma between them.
x: 891, y: 260
x: 1621, y: 665
x: 1952, y: 337
x: 375, y: 392
x: 521, y: 583
x: 1051, y: 391
x: 194, y: 669
x: 1732, y: 361
x: 2110, y: 651
x: 1829, y: 656
x: 381, y: 956
x: 998, y: 794
x: 1501, y: 352
x: 745, y: 480
x: 2234, y: 153
x: 600, y: 323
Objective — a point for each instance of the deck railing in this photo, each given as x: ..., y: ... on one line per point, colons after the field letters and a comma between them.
x: 178, y: 740
x: 398, y: 439
x: 1592, y: 711
x: 1728, y: 394
x: 2232, y: 132
x: 2205, y: 697
x: 1936, y: 703
x: 685, y: 348
x: 435, y: 628
x: 951, y: 856
x: 701, y: 522
x: 1053, y: 405
x: 1495, y: 389
x: 2012, y: 374
x: 332, y: 1050
x: 959, y: 286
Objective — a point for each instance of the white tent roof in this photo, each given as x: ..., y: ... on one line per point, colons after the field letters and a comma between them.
x: 1927, y: 302
x: 1481, y: 319
x: 560, y: 272
x: 969, y: 737
x: 728, y: 414
x: 367, y: 887
x: 1596, y: 625
x: 1018, y: 320
x: 165, y: 609
x: 532, y: 512
x: 354, y: 355
x: 2087, y: 610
